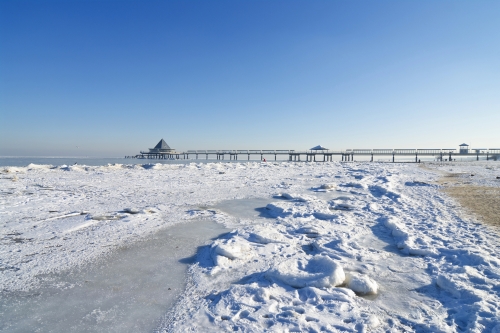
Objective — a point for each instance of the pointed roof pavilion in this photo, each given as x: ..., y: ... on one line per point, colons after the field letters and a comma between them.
x: 319, y: 147
x: 162, y: 145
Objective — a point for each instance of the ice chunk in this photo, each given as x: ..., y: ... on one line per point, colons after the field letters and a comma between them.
x: 297, y: 197
x: 275, y: 209
x: 310, y: 232
x: 447, y: 284
x: 324, y: 216
x: 361, y: 284
x: 233, y: 248
x: 343, y: 206
x: 373, y: 321
x: 319, y: 271
x: 269, y: 237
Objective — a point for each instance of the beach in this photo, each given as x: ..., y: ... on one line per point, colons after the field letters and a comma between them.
x: 310, y: 246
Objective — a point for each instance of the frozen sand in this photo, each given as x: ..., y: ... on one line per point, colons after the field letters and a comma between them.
x: 411, y: 259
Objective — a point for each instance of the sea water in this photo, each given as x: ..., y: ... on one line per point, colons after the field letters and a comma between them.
x: 128, y: 291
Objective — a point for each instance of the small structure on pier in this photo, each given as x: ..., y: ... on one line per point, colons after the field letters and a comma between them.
x: 464, y: 148
x: 314, y: 150
x: 319, y: 147
x: 161, y: 148
x: 161, y: 151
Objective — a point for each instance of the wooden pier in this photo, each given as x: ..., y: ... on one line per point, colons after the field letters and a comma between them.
x: 323, y: 155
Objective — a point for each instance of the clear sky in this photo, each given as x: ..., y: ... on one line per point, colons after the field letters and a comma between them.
x: 114, y: 77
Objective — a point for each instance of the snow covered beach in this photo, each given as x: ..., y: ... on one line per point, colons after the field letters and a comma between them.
x: 340, y: 247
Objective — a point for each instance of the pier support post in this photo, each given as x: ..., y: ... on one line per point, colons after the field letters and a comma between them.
x: 392, y: 158
x: 371, y: 158
x: 416, y: 158
x: 449, y: 157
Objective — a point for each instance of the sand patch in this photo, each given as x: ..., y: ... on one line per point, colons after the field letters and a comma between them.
x: 482, y: 201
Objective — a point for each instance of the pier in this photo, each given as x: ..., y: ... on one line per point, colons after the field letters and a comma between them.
x: 163, y: 152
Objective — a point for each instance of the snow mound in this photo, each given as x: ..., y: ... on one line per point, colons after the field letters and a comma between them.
x: 318, y: 208
x: 32, y: 166
x: 343, y: 206
x: 225, y: 250
x: 13, y: 170
x: 310, y: 232
x: 132, y: 210
x: 264, y: 234
x: 275, y: 209
x: 408, y: 243
x: 297, y: 197
x: 328, y: 186
x: 361, y: 284
x: 152, y: 166
x: 448, y: 284
x: 319, y: 271
x: 266, y: 237
x: 324, y: 216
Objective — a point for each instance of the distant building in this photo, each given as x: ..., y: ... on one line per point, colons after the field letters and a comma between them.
x: 464, y: 148
x: 161, y: 148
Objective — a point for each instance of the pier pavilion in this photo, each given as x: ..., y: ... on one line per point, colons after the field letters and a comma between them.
x: 161, y: 151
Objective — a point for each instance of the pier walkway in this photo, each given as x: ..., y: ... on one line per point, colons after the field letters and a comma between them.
x: 324, y: 155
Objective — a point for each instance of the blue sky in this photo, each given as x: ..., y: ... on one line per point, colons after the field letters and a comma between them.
x: 113, y: 77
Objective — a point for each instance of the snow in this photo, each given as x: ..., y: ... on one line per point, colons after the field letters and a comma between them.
x: 330, y: 247
x: 318, y: 271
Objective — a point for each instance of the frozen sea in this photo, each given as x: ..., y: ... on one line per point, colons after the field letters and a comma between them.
x: 249, y: 246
